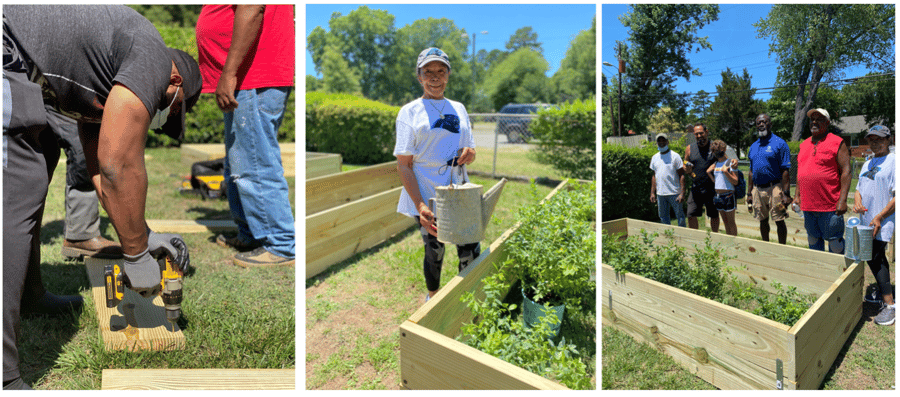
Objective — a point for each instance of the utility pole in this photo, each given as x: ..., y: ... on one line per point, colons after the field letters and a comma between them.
x: 621, y: 69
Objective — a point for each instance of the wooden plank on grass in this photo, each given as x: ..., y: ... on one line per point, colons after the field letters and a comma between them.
x: 727, y: 347
x: 334, y: 190
x: 198, y: 379
x: 194, y: 152
x: 191, y: 226
x: 431, y: 361
x: 136, y: 323
x: 338, y: 233
x: 823, y: 330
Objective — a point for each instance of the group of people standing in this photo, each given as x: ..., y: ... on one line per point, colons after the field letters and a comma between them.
x: 823, y: 184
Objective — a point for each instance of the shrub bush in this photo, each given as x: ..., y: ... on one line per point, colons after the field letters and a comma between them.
x: 204, y: 123
x: 362, y: 131
x: 626, y: 183
x: 568, y: 138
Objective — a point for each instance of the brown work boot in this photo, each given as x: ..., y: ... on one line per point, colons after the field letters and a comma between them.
x: 237, y: 243
x: 260, y: 258
x: 97, y: 247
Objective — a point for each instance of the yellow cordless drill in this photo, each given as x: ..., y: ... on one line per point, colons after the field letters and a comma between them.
x: 170, y: 286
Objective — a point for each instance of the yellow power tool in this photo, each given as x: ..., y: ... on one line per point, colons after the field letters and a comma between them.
x: 170, y: 287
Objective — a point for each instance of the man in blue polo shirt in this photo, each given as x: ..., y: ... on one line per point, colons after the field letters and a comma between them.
x: 769, y: 179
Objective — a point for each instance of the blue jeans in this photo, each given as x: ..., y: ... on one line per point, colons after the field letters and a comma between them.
x: 821, y: 226
x: 254, y: 177
x: 663, y: 203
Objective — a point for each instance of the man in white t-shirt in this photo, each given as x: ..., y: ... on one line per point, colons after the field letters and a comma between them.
x: 667, y: 182
x: 433, y: 135
x: 874, y: 201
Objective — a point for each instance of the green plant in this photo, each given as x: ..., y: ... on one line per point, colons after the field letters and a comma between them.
x: 568, y: 138
x: 626, y: 183
x: 786, y: 305
x: 362, y: 131
x: 553, y: 250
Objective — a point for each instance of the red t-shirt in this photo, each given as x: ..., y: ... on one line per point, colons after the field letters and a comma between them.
x: 819, y: 174
x: 273, y: 57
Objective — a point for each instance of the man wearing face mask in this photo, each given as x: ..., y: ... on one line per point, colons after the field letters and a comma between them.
x: 108, y: 68
x: 823, y: 181
x: 698, y: 158
x: 769, y: 179
x: 667, y: 182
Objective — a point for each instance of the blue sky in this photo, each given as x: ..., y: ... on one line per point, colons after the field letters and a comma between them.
x: 555, y: 24
x: 734, y: 45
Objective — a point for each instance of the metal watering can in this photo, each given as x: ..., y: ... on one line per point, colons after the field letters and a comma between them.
x: 462, y: 211
x: 858, y: 240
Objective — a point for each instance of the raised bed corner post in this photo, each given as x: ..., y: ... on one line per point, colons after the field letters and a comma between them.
x: 779, y: 374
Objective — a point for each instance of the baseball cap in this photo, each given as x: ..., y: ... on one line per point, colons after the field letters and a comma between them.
x: 879, y: 130
x: 191, y: 83
x: 662, y: 135
x: 432, y: 54
x: 820, y: 111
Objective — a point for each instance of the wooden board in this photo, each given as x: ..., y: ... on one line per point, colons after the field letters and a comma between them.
x: 339, y: 233
x: 338, y: 189
x: 136, y: 323
x: 320, y: 164
x: 191, y: 226
x: 194, y: 152
x: 431, y: 361
x: 727, y: 347
x: 198, y: 379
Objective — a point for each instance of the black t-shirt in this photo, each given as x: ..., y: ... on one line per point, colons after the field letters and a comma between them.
x: 81, y: 51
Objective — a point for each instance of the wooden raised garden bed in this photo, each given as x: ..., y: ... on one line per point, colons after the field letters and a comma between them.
x: 350, y: 212
x: 431, y: 357
x: 728, y: 347
x: 321, y: 164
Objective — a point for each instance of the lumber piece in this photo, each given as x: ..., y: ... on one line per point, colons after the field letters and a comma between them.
x: 822, y: 331
x: 319, y: 164
x: 136, y: 323
x: 194, y: 152
x: 333, y: 190
x: 812, y: 272
x: 444, y: 313
x: 198, y: 379
x: 727, y: 347
x: 338, y: 233
x: 191, y: 226
x: 431, y: 361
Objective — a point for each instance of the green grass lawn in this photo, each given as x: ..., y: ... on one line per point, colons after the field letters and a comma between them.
x: 233, y: 317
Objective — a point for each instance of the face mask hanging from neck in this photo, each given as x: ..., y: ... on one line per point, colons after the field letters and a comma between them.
x: 161, y: 116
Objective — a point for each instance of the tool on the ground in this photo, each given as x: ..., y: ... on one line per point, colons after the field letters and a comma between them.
x: 206, y: 179
x: 170, y: 284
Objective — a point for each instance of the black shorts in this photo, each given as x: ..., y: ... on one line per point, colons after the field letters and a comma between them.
x: 725, y: 201
x: 700, y: 198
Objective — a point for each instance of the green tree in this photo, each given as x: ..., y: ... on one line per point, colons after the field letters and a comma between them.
x: 337, y: 74
x: 170, y: 14
x: 410, y: 41
x: 524, y: 37
x: 660, y: 39
x: 816, y: 41
x: 663, y: 120
x: 576, y: 77
x: 364, y: 38
x: 732, y: 113
x: 699, y: 106
x: 872, y: 97
x: 313, y: 83
x: 520, y: 78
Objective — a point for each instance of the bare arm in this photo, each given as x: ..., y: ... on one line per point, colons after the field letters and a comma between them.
x: 886, y: 212
x: 466, y: 155
x: 114, y: 151
x: 680, y: 173
x: 844, y: 163
x: 653, y: 188
x: 408, y: 178
x: 248, y: 21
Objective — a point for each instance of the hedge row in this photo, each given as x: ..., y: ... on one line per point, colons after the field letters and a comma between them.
x: 204, y: 123
x: 361, y: 130
x: 568, y: 138
x: 626, y: 183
